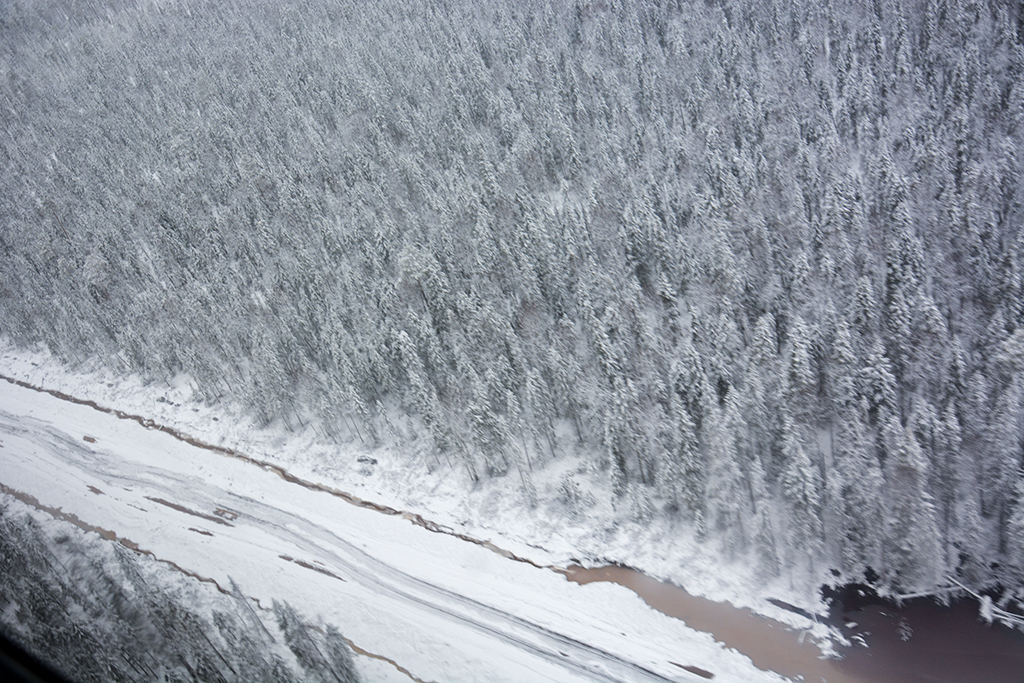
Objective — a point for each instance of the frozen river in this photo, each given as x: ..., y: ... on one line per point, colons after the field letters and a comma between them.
x: 439, y: 607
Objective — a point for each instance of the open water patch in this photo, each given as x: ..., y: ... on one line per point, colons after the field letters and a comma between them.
x: 922, y: 640
x: 916, y: 641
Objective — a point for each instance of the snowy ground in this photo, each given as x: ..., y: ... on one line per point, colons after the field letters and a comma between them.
x: 442, y: 608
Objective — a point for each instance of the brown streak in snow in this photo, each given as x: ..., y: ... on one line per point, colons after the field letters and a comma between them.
x: 694, y: 670
x: 307, y: 565
x: 182, y: 508
x: 401, y: 669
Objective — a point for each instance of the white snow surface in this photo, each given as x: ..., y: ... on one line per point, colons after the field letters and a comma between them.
x: 443, y: 608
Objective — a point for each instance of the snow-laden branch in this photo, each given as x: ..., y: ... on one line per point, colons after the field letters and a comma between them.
x: 989, y: 611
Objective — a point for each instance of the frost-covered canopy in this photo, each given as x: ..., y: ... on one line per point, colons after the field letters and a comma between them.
x: 760, y: 260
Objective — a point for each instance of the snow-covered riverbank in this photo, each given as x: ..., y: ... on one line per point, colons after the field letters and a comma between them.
x: 593, y: 533
x: 441, y: 607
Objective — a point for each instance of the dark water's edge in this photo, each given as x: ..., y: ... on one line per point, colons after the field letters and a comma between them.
x: 923, y: 640
x: 917, y: 642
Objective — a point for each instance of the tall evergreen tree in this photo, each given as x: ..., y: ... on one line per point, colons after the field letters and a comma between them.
x: 912, y: 554
x: 802, y: 489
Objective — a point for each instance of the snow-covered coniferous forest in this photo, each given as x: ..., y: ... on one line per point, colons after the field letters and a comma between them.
x: 759, y: 262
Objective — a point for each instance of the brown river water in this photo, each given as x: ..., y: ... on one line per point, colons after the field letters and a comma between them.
x: 920, y: 642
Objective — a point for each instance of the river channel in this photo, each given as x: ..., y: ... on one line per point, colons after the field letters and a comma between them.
x: 919, y: 642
